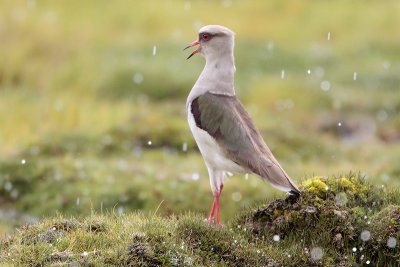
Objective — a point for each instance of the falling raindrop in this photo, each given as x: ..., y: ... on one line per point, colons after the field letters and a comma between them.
x: 78, y: 201
x: 154, y: 50
x: 339, y: 124
x: 355, y: 76
x: 365, y: 235
x: 122, y: 165
x: 329, y: 36
x: 138, y: 78
x: 14, y: 193
x: 120, y: 210
x: 246, y: 176
x: 8, y: 186
x: 195, y: 176
x: 382, y: 115
x: 289, y: 103
x: 197, y: 24
x: 386, y: 65
x: 34, y: 150
x: 392, y: 242
x: 58, y: 105
x: 308, y: 71
x: 149, y: 142
x: 143, y: 99
x: 187, y: 6
x: 31, y: 4
x: 325, y: 85
x: 282, y: 74
x: 137, y: 151
x: 270, y: 46
x: 385, y: 177
x: 57, y: 175
x: 317, y: 253
x: 319, y: 71
x: 236, y: 196
x: 226, y: 3
x: 276, y: 238
x: 184, y: 147
x: 23, y: 161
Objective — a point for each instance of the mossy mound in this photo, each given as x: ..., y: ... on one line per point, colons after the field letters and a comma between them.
x: 344, y: 219
x: 337, y: 222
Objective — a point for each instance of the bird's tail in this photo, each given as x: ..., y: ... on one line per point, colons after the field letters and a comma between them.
x: 281, y: 180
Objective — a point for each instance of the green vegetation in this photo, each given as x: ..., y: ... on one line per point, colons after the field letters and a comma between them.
x: 345, y: 223
x: 93, y: 127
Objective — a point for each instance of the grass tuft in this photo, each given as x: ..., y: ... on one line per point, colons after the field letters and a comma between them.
x: 336, y: 222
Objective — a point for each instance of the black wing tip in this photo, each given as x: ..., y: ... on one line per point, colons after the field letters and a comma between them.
x: 293, y: 196
x: 295, y: 193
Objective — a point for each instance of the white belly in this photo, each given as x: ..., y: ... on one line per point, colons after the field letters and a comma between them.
x: 210, y: 150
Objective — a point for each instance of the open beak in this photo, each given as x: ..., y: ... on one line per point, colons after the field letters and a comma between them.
x: 195, y: 51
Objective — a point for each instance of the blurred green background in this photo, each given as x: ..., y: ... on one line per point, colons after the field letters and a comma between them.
x: 92, y: 100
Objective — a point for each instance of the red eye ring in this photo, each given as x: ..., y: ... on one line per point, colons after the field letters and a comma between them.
x: 205, y: 36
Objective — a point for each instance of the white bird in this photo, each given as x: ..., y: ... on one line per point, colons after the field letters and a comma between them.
x: 224, y: 132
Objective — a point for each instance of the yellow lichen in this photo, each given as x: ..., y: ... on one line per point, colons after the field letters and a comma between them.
x: 346, y: 183
x: 315, y: 185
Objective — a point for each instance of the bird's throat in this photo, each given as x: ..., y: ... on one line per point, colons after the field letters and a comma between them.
x: 218, y: 75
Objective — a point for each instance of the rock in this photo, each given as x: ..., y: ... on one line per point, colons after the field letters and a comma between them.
x: 310, y: 209
x: 338, y: 240
x: 342, y: 214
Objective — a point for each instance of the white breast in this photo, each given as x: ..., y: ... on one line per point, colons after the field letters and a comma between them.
x: 210, y: 150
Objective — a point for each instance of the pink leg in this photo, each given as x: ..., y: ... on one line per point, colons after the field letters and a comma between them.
x: 211, y: 218
x: 218, y: 207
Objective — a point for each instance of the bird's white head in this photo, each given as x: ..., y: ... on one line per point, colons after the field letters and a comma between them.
x: 214, y: 42
x: 216, y: 45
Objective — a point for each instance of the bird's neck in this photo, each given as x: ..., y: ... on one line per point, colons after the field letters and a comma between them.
x: 217, y: 76
x: 220, y: 73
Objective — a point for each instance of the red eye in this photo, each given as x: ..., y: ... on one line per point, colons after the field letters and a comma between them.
x: 206, y: 37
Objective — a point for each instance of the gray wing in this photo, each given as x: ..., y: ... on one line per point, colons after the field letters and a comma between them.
x: 226, y: 120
